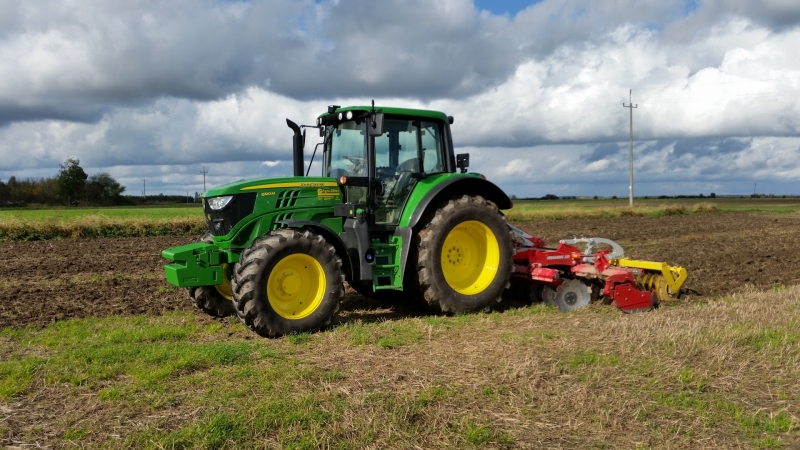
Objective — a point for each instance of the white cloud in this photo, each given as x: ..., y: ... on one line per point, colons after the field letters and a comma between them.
x: 158, y: 86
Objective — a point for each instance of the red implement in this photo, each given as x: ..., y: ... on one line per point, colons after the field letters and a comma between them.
x: 598, y: 275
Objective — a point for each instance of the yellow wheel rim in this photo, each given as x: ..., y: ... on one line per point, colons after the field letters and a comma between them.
x: 470, y: 256
x: 296, y: 286
x: 224, y: 289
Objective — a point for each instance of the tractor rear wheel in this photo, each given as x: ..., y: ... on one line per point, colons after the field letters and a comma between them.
x: 213, y: 300
x: 464, y: 257
x: 288, y: 281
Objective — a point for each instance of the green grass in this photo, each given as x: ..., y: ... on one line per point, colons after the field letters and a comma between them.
x: 38, y: 224
x: 721, y: 370
x: 65, y: 214
x: 112, y: 222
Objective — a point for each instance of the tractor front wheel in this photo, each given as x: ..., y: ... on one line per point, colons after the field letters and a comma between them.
x: 464, y: 257
x: 213, y: 300
x: 287, y: 281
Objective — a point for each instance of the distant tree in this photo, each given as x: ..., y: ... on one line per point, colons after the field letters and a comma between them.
x: 550, y: 197
x: 102, y: 188
x: 5, y: 192
x: 595, y: 197
x: 13, y: 185
x: 614, y: 197
x: 701, y: 195
x: 71, y: 180
x: 513, y: 197
x: 713, y: 195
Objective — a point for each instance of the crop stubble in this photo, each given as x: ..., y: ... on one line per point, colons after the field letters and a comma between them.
x: 47, y: 281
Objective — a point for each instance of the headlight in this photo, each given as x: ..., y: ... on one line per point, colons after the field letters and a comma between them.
x: 217, y: 203
x: 349, y: 115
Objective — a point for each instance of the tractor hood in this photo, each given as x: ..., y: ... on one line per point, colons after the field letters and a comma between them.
x: 237, y: 212
x: 257, y: 184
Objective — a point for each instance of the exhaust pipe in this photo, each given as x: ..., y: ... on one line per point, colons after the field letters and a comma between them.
x: 297, y: 147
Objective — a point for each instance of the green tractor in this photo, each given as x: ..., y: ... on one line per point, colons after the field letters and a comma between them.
x: 394, y: 210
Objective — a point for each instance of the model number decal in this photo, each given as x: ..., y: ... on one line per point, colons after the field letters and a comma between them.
x: 326, y: 194
x: 264, y: 194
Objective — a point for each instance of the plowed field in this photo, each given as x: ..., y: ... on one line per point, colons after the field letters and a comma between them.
x: 47, y: 281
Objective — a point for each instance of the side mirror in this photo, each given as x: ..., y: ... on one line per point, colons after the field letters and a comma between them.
x: 462, y: 161
x: 375, y: 128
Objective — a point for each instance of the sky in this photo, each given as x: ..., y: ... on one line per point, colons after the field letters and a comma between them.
x: 162, y: 90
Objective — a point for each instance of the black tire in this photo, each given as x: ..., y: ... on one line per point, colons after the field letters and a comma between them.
x: 252, y: 274
x: 212, y: 300
x: 431, y: 284
x: 531, y: 293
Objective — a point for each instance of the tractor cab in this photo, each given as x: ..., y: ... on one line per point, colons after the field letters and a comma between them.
x: 377, y: 158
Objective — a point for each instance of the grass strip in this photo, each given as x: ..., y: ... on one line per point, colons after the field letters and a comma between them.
x: 529, y: 213
x: 98, y: 226
x: 21, y: 228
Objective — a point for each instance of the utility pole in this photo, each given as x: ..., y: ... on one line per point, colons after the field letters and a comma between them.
x: 630, y: 106
x: 204, y: 172
x: 144, y: 188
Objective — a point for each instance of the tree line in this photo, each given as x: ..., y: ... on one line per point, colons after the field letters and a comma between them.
x: 72, y: 186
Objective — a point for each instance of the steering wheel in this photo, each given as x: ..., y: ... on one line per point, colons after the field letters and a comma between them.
x: 358, y: 163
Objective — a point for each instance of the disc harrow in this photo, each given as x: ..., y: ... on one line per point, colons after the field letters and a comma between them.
x: 570, y: 278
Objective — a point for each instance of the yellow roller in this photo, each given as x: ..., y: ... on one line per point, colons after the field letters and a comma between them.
x: 666, y: 281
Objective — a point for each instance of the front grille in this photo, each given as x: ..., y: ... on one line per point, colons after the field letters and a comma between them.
x: 280, y: 217
x: 287, y: 199
x: 222, y: 221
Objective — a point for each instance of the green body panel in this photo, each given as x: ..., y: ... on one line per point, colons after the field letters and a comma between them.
x: 268, y: 183
x: 195, y: 264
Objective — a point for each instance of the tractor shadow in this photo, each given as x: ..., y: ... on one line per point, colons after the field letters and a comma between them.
x: 394, y: 305
x: 380, y: 308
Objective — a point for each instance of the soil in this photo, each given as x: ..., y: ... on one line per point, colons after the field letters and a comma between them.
x: 47, y: 281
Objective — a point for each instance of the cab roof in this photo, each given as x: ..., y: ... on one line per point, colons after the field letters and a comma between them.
x: 394, y: 111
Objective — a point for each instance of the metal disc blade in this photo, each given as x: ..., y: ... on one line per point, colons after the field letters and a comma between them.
x: 572, y: 294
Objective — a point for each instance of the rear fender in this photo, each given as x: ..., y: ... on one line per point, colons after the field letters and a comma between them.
x: 455, y: 187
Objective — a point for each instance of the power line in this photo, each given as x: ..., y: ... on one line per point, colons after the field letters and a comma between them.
x: 630, y: 107
x: 204, y: 172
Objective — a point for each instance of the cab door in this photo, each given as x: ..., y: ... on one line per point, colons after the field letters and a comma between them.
x: 408, y: 150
